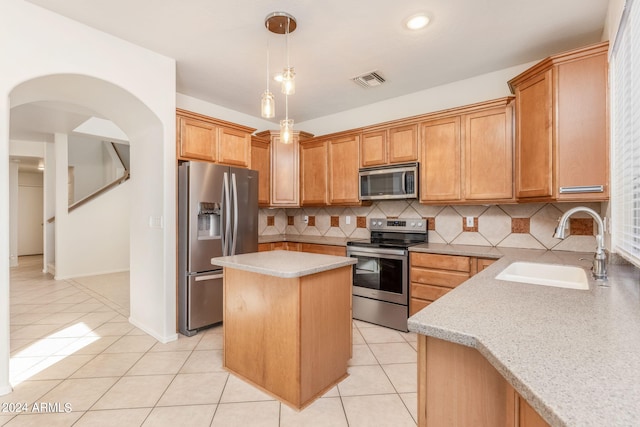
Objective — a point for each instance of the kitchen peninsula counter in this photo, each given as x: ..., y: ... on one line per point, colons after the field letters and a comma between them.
x: 287, y: 322
x: 573, y: 355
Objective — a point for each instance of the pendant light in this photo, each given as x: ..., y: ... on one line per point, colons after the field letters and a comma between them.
x: 286, y: 125
x: 268, y: 103
x: 282, y: 23
x: 288, y: 74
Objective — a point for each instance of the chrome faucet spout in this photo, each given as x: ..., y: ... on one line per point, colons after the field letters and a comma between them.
x: 599, y: 268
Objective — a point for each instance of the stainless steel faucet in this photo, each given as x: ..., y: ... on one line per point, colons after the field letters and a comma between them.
x: 599, y: 269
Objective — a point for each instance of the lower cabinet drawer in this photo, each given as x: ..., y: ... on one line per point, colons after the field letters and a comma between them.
x: 442, y: 262
x: 449, y: 279
x: 427, y: 292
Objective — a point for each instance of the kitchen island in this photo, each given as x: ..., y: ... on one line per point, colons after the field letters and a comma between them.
x: 287, y: 322
x: 572, y: 355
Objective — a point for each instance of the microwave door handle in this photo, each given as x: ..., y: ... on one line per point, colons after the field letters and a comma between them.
x: 404, y: 183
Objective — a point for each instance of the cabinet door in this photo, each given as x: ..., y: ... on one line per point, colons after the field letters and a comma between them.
x: 403, y: 144
x: 440, y: 160
x: 583, y: 149
x: 373, y: 148
x: 488, y: 142
x: 313, y: 173
x: 260, y: 161
x: 285, y: 177
x: 233, y: 147
x: 343, y: 170
x: 534, y: 139
x: 197, y: 140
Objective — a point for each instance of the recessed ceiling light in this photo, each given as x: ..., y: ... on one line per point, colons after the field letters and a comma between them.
x: 417, y: 22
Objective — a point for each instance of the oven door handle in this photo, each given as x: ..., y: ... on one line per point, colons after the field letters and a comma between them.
x: 375, y: 251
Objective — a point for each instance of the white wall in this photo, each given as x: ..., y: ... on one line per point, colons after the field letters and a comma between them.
x: 476, y: 89
x: 13, y: 205
x: 95, y: 237
x: 49, y: 257
x: 87, y: 157
x: 208, y: 109
x: 48, y: 57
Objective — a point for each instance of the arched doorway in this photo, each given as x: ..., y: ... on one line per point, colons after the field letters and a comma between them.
x: 152, y: 277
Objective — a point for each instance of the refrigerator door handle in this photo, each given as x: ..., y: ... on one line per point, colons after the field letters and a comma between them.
x: 234, y: 189
x: 226, y: 208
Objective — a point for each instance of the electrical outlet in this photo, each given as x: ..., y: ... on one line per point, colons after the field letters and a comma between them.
x: 470, y: 221
x: 347, y: 219
x: 306, y: 219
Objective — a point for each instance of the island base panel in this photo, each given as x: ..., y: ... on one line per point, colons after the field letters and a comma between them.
x: 290, y: 337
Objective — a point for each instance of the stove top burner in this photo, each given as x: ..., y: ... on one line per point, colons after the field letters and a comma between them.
x: 394, y: 233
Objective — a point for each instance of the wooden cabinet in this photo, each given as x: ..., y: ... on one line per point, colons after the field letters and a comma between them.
x: 403, y: 144
x: 483, y: 263
x: 313, y: 173
x: 234, y: 147
x: 488, y: 154
x: 212, y: 140
x: 562, y: 147
x: 520, y: 413
x: 398, y: 144
x: 343, y: 163
x: 440, y: 160
x: 285, y: 169
x: 458, y: 387
x: 261, y: 161
x: 197, y: 140
x: 373, y: 148
x: 467, y: 155
x: 433, y: 275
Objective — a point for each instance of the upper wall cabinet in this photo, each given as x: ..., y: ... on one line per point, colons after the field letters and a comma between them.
x: 261, y: 161
x: 205, y: 138
x: 398, y: 144
x: 562, y: 145
x: 313, y: 173
x: 285, y: 169
x: 466, y: 154
x: 343, y: 162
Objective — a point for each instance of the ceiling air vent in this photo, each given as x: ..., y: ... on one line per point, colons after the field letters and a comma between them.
x: 371, y: 79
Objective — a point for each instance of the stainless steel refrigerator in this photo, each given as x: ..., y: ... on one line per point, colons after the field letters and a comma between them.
x: 217, y: 216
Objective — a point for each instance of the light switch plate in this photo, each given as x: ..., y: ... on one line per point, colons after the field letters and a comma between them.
x: 347, y: 219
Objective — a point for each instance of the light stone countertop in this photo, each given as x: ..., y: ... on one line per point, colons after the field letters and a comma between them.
x: 285, y: 264
x: 573, y: 355
x: 299, y: 238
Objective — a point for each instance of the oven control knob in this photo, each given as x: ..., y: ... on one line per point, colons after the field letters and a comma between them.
x: 413, y: 224
x: 419, y: 224
x: 379, y: 223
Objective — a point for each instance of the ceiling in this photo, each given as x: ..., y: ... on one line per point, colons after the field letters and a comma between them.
x: 220, y: 46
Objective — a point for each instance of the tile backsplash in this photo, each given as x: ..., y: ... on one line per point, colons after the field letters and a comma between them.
x: 529, y: 225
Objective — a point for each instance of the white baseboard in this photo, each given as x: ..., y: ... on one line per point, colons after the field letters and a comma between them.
x: 96, y: 273
x: 5, y: 390
x: 160, y: 338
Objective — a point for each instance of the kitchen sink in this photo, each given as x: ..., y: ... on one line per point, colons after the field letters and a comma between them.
x: 561, y: 276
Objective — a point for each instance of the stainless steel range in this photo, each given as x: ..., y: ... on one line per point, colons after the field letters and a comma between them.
x: 381, y: 276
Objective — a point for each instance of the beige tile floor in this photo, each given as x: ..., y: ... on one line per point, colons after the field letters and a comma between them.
x: 71, y: 344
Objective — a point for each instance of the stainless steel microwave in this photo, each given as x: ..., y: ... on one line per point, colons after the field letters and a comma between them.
x: 389, y: 182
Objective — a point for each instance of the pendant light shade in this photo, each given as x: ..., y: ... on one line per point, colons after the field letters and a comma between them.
x: 268, y: 105
x: 286, y: 131
x: 288, y: 81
